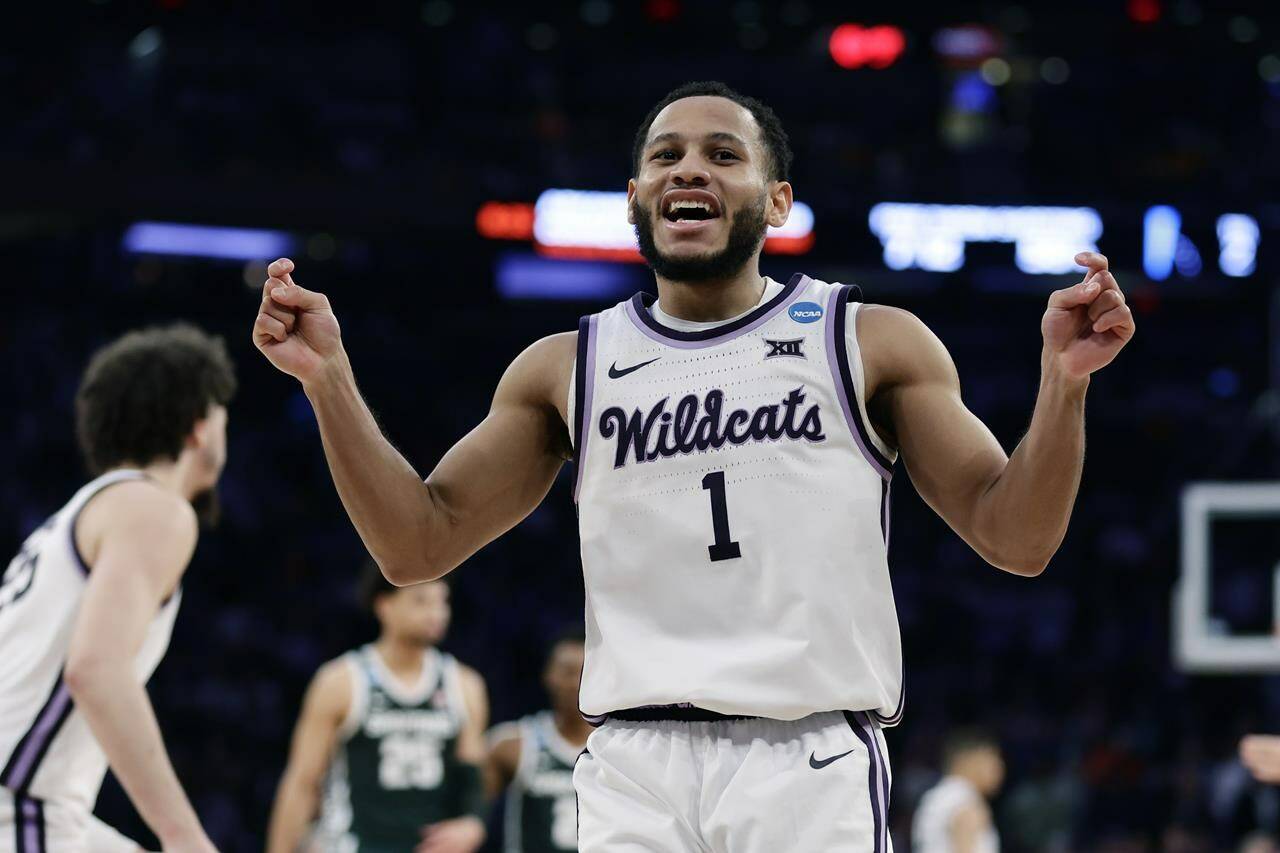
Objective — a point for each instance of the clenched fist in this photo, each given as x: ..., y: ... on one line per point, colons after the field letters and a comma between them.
x: 1088, y: 323
x: 295, y: 329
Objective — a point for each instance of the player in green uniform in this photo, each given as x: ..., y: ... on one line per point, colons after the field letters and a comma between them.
x: 533, y: 759
x: 391, y: 738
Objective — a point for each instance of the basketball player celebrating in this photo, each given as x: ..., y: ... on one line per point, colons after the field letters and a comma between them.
x: 533, y: 760
x: 953, y: 815
x: 734, y: 442
x: 394, y: 734
x: 87, y: 606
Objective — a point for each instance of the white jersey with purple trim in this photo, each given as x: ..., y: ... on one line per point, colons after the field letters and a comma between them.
x: 733, y: 504
x: 46, y: 748
x: 931, y: 826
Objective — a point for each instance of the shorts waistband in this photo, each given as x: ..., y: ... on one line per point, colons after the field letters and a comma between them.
x: 672, y: 713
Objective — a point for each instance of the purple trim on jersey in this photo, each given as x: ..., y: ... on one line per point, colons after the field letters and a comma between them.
x: 584, y: 384
x: 27, y: 755
x: 896, y: 717
x: 884, y: 513
x: 838, y: 359
x: 878, y: 816
x: 75, y: 549
x: 29, y: 823
x: 637, y: 309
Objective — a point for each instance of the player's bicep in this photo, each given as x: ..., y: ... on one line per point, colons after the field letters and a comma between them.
x: 500, y: 471
x: 966, y: 828
x: 502, y: 758
x: 950, y: 455
x: 471, y: 743
x: 145, y: 541
x: 324, y: 708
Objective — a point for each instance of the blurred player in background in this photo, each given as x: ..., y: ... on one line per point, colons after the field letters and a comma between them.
x: 388, y: 748
x: 532, y: 759
x: 88, y: 605
x: 953, y: 815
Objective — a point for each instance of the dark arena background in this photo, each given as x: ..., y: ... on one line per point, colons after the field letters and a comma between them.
x: 447, y: 172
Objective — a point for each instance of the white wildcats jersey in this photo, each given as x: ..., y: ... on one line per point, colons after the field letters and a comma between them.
x: 46, y: 748
x: 733, y: 506
x: 931, y: 827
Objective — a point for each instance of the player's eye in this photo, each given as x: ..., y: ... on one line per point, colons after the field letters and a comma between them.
x: 724, y: 154
x: 664, y: 154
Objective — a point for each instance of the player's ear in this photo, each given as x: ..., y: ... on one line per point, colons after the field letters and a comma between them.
x: 631, y: 197
x: 780, y: 201
x: 201, y: 432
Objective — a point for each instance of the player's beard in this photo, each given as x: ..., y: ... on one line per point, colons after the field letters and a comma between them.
x: 208, y: 508
x: 746, y: 233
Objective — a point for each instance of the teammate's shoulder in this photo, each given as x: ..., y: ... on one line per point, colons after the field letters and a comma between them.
x: 333, y: 682
x: 470, y: 677
x: 510, y: 731
x: 139, y: 503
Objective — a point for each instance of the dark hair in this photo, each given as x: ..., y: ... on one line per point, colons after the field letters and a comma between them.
x: 570, y: 634
x: 373, y: 584
x: 961, y: 741
x: 771, y: 131
x: 141, y: 395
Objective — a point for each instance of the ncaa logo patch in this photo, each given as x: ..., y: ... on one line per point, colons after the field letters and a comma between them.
x: 805, y: 312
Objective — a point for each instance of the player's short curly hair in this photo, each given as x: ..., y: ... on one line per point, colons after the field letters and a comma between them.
x: 142, y: 394
x: 771, y: 130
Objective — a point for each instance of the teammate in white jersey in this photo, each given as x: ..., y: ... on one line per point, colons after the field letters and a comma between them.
x: 87, y: 606
x: 742, y: 651
x: 953, y: 815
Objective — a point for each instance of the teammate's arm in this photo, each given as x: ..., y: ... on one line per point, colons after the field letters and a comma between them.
x: 502, y: 759
x: 484, y: 486
x: 967, y: 826
x: 326, y: 705
x: 1012, y: 510
x: 465, y: 834
x: 138, y: 540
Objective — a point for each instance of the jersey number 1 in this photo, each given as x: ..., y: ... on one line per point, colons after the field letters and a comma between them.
x: 724, y: 548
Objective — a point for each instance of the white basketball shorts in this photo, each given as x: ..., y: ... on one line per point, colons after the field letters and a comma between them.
x: 749, y: 785
x: 28, y: 825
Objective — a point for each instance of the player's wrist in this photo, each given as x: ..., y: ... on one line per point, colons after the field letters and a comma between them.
x: 1056, y: 379
x: 333, y: 374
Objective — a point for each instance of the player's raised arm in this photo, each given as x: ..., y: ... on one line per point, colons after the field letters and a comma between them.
x: 485, y: 485
x: 140, y: 540
x: 1011, y: 510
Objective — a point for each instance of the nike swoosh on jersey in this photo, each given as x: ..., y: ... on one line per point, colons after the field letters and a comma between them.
x: 615, y: 373
x: 817, y: 764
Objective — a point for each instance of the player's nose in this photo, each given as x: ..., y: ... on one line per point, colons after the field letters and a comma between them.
x: 690, y: 173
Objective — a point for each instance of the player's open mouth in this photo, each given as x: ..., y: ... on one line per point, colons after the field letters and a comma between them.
x: 685, y: 209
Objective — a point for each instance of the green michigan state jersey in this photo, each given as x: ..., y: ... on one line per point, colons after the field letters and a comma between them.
x: 394, y: 768
x: 542, y: 809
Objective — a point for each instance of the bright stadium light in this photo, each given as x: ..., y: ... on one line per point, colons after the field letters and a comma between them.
x: 1238, y: 235
x: 933, y: 236
x: 1161, y: 227
x: 593, y: 224
x: 206, y: 241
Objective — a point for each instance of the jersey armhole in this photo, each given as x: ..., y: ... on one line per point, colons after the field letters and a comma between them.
x: 103, y: 483
x: 359, y: 699
x: 860, y: 384
x: 584, y: 370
